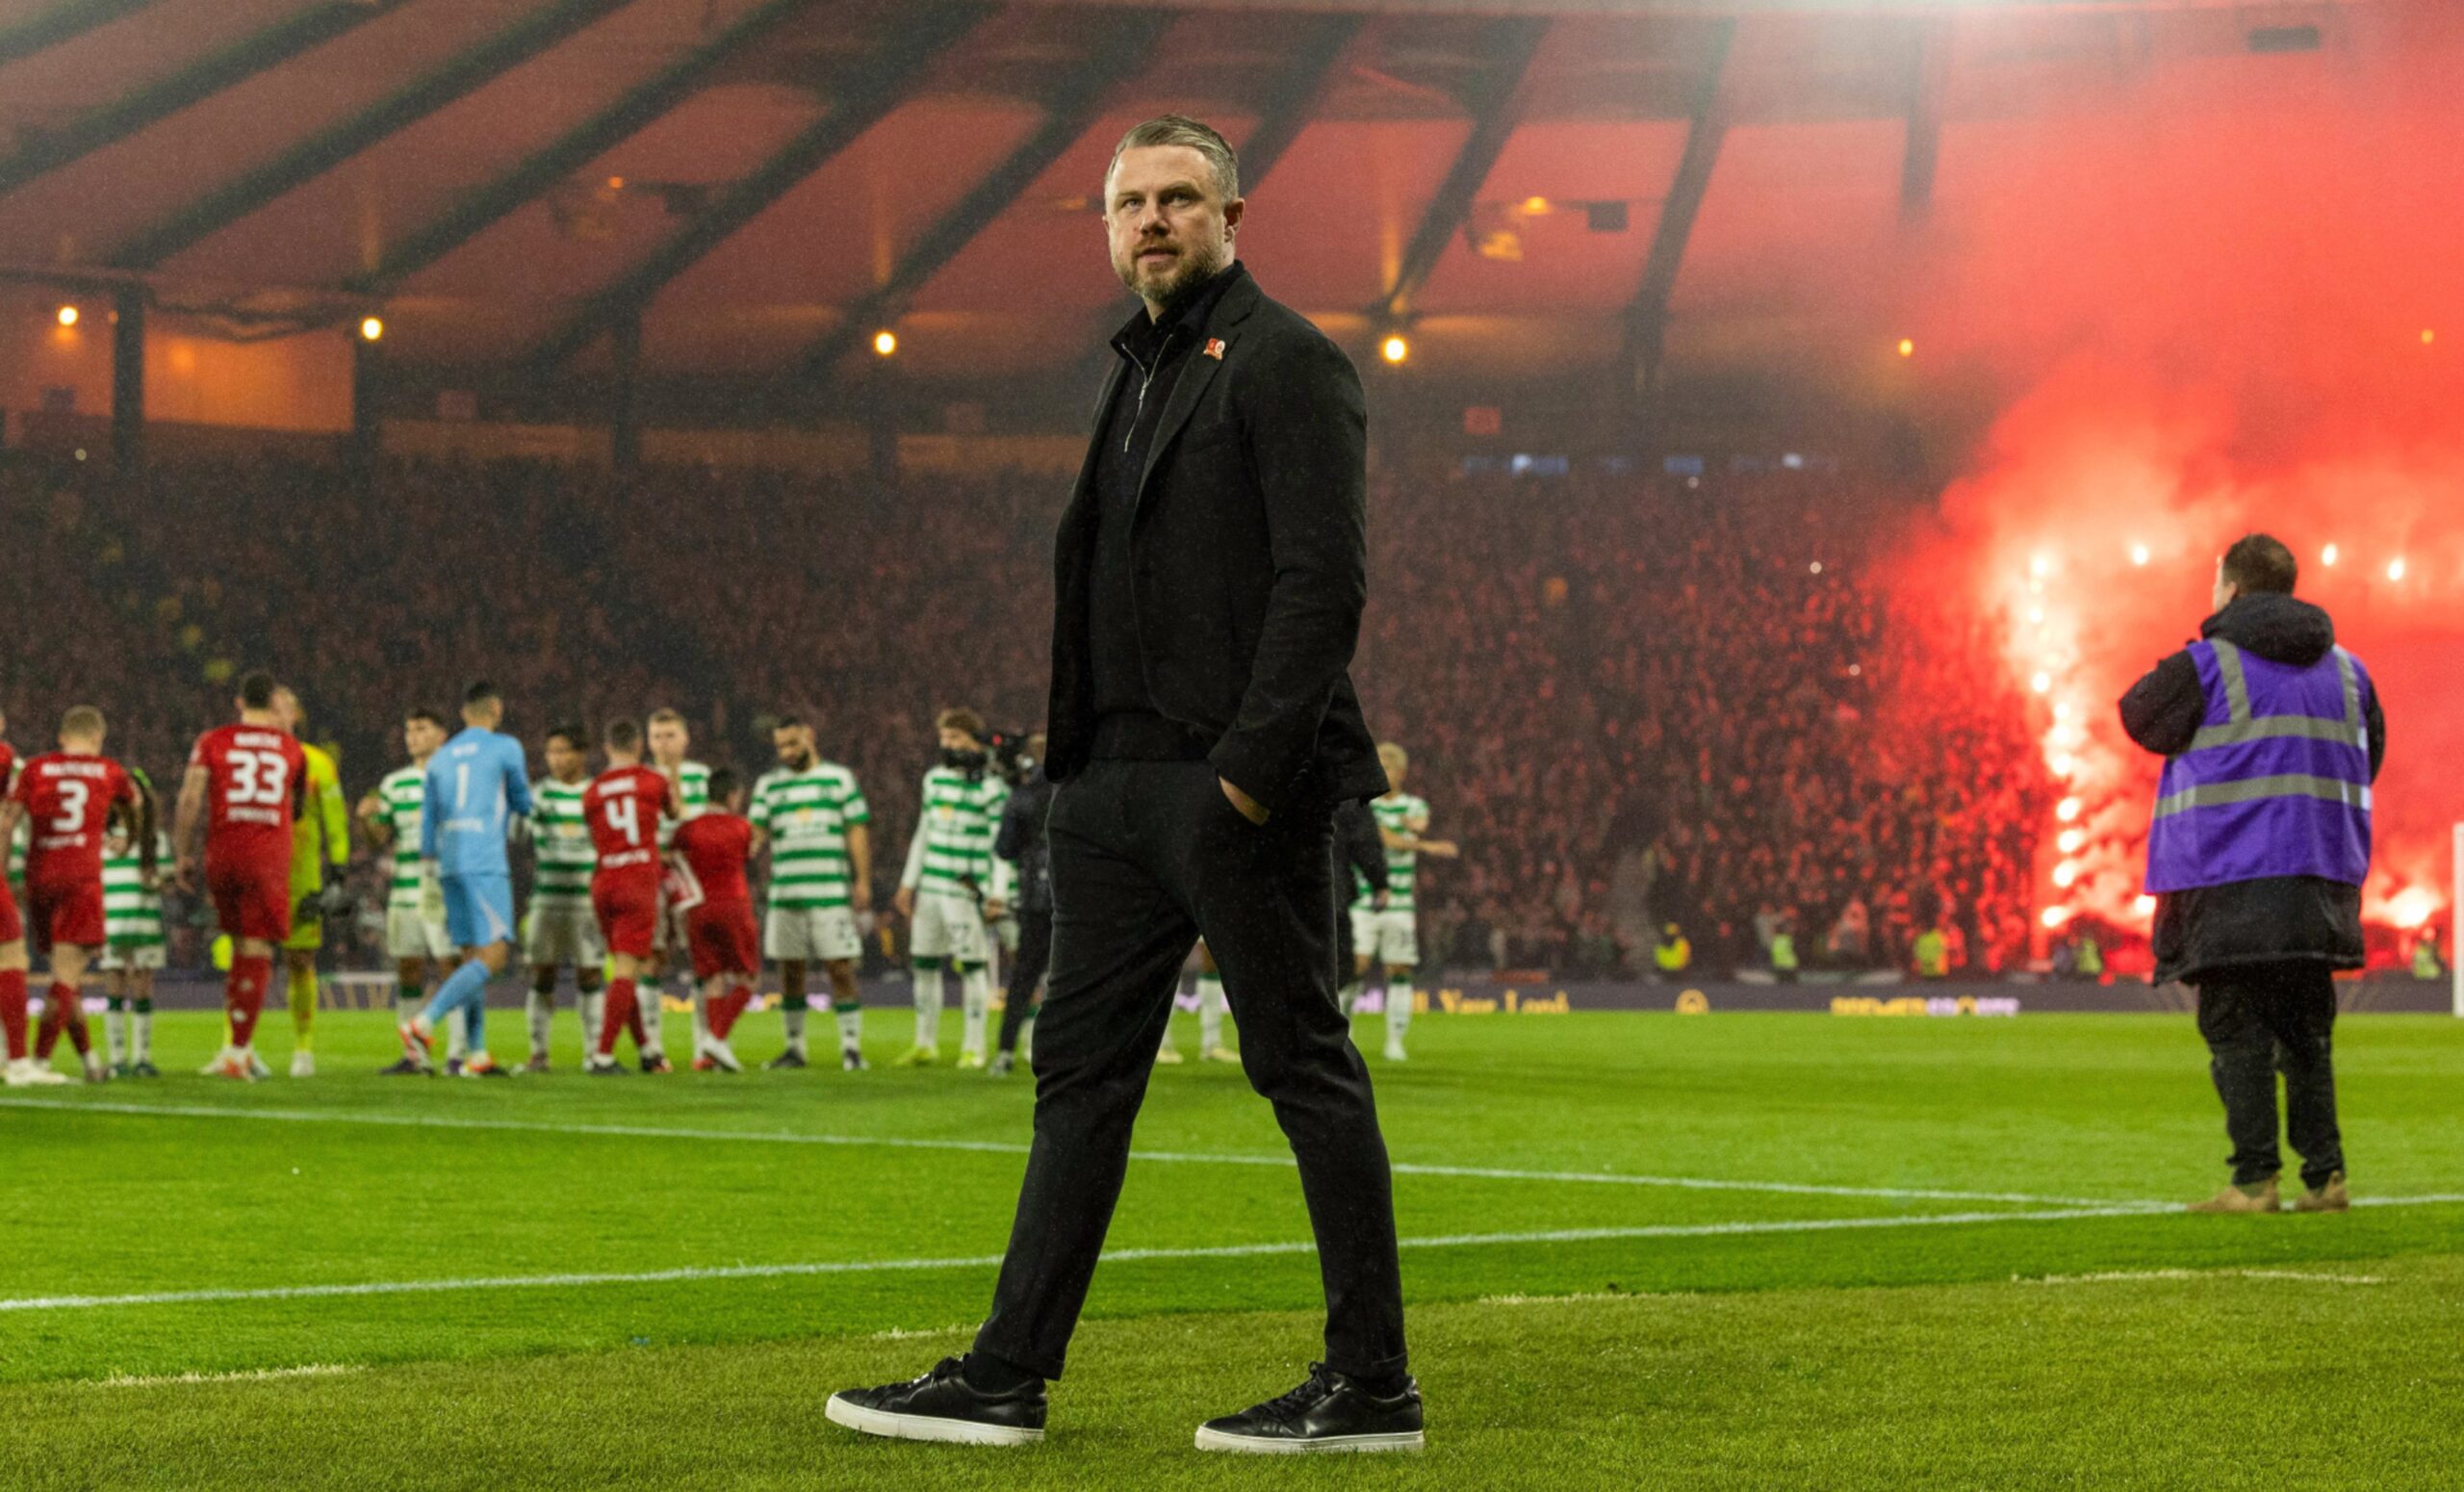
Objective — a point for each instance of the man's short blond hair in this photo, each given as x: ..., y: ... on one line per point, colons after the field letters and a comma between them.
x: 1179, y: 129
x: 1393, y: 755
x: 666, y: 717
x: 82, y: 722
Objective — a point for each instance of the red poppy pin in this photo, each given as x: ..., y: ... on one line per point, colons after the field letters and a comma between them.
x: 1215, y: 348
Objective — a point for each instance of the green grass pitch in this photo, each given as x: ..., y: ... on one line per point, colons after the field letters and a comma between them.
x: 1908, y: 1254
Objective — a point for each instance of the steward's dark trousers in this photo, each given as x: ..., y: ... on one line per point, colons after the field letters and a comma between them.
x: 2264, y: 1020
x: 1146, y: 858
x: 1026, y: 972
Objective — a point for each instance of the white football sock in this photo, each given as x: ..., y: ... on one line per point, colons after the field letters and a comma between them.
x: 851, y: 1028
x: 975, y: 996
x: 1211, y: 1006
x: 593, y: 1012
x: 140, y: 1031
x: 114, y: 1017
x: 792, y: 1018
x: 928, y: 1006
x: 1399, y: 1003
x: 1349, y: 994
x: 538, y: 1010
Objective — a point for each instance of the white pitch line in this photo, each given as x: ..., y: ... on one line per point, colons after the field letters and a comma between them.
x: 1011, y: 1147
x: 2132, y: 1276
x: 989, y: 1260
x: 313, y: 1370
x: 1115, y: 1256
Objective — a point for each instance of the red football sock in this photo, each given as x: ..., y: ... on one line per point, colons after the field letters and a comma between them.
x: 617, y: 1014
x: 74, y: 1016
x: 244, y: 997
x: 725, y: 1010
x: 12, y: 1010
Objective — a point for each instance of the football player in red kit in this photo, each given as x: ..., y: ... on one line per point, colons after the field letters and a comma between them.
x: 623, y: 807
x: 70, y: 796
x: 21, y: 1070
x: 242, y: 792
x: 712, y: 851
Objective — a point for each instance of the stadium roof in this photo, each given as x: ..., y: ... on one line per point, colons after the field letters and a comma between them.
x: 763, y: 182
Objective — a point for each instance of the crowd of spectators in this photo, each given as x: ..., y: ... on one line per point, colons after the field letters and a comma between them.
x: 1633, y: 700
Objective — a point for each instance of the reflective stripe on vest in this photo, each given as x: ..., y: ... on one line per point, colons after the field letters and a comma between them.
x: 2285, y: 792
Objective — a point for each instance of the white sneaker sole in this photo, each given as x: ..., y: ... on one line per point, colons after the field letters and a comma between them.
x: 1218, y: 1440
x: 919, y: 1426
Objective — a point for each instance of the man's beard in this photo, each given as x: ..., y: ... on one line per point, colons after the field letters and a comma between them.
x: 796, y: 762
x: 1190, y: 270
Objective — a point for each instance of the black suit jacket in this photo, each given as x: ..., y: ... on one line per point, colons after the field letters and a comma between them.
x: 1248, y: 554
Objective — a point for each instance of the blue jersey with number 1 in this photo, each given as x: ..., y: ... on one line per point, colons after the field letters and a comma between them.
x: 477, y: 783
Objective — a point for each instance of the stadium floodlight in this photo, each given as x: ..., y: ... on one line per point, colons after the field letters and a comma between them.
x: 1907, y: 347
x: 885, y: 342
x: 2327, y: 556
x: 1394, y: 350
x: 371, y: 328
x: 67, y: 316
x: 2396, y: 568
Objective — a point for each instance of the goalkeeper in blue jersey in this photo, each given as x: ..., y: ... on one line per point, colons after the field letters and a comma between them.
x: 476, y: 783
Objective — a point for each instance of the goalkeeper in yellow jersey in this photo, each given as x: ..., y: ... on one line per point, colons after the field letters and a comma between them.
x: 319, y: 855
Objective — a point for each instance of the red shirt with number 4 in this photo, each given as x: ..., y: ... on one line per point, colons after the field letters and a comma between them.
x: 256, y: 778
x: 622, y: 806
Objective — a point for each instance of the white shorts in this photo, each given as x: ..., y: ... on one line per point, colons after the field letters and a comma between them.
x: 410, y: 934
x: 949, y: 927
x: 812, y: 934
x: 1005, y: 933
x: 1388, y: 938
x: 117, y: 959
x: 562, y: 936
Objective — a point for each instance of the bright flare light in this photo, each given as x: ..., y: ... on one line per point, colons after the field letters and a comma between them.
x: 2069, y: 840
x: 2043, y: 682
x: 885, y: 342
x: 2068, y: 810
x: 67, y: 316
x: 1394, y: 350
x: 2327, y: 556
x: 2063, y: 874
x: 371, y: 329
x: 2396, y: 568
x: 2411, y: 907
x: 1907, y: 347
x: 2064, y: 765
x: 2145, y: 905
x: 2054, y: 916
x: 2139, y: 553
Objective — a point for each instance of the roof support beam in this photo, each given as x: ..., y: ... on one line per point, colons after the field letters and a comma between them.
x: 1927, y: 71
x: 1077, y: 94
x: 640, y: 108
x: 64, y: 22
x: 885, y: 79
x: 1495, y: 113
x: 329, y: 147
x: 1647, y: 319
x: 226, y: 68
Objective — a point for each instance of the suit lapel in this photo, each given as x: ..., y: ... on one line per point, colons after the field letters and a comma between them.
x: 1198, y: 374
x: 1084, y: 493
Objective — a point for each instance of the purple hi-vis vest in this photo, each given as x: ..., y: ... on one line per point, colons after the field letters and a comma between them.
x: 2276, y: 783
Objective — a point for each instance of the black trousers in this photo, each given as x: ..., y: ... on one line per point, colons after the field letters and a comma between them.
x: 1026, y: 972
x: 1147, y: 858
x: 2264, y: 1020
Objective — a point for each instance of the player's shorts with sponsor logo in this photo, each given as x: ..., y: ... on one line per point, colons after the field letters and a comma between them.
x: 411, y: 933
x: 68, y: 909
x: 1385, y: 937
x: 812, y: 934
x: 949, y: 927
x: 123, y: 958
x: 478, y: 908
x: 723, y: 939
x: 562, y: 934
x: 627, y: 903
x: 251, y: 900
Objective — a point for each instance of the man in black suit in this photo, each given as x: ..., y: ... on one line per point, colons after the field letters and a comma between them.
x: 1211, y: 572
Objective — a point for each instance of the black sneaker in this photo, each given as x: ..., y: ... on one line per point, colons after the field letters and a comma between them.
x: 608, y: 1068
x: 790, y: 1057
x: 143, y: 1069
x: 1002, y: 1065
x: 851, y: 1058
x: 942, y: 1406
x: 1329, y: 1413
x: 405, y: 1067
x: 656, y: 1064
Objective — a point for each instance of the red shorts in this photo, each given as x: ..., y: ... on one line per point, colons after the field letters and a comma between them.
x: 68, y: 912
x: 252, y: 901
x: 724, y: 940
x: 11, y: 929
x: 627, y: 908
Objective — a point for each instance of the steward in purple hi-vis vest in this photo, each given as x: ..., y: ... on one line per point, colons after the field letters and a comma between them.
x: 2276, y: 781
x: 2259, y: 839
